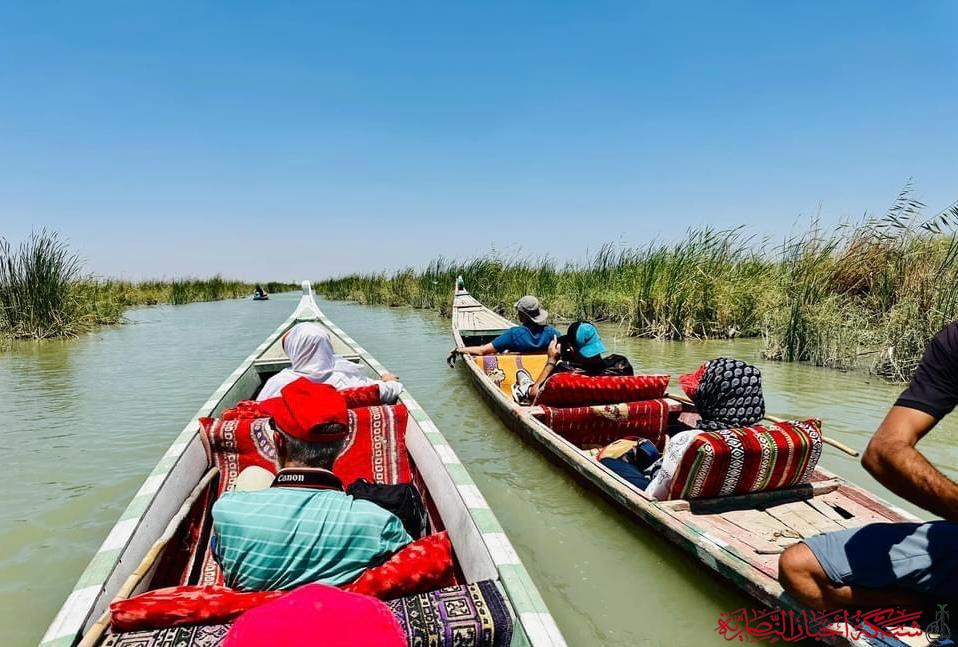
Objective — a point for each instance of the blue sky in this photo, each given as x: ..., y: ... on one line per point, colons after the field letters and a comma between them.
x: 289, y: 140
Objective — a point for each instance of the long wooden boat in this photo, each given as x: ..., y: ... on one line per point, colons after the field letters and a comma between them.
x: 482, y: 550
x: 738, y: 537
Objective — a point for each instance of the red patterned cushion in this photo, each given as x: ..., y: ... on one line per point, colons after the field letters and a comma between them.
x: 424, y: 565
x: 601, y: 424
x: 184, y: 605
x: 750, y: 459
x: 376, y: 447
x: 236, y: 442
x: 575, y: 389
x: 362, y: 396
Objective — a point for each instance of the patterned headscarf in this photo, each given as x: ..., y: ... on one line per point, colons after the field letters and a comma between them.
x: 727, y: 393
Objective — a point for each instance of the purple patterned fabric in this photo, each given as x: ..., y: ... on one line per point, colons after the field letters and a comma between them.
x: 471, y: 615
x: 188, y: 636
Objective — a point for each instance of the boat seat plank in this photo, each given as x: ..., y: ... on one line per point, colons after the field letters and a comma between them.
x: 833, y: 515
x: 763, y: 525
x: 862, y: 515
x: 276, y: 352
x: 803, y: 518
x: 758, y: 552
x: 481, y: 319
x: 856, y: 495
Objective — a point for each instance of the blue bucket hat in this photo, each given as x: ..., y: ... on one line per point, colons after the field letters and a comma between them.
x: 587, y: 340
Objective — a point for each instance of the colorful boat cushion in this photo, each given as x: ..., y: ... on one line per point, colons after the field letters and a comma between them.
x: 471, y: 615
x: 424, y: 565
x: 750, y: 459
x: 576, y: 389
x: 192, y: 636
x: 184, y: 605
x: 601, y: 424
x: 376, y: 448
x: 501, y: 369
x: 362, y: 396
x: 236, y: 442
x: 375, y: 451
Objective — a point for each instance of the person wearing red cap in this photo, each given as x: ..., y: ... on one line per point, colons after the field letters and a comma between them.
x: 303, y: 528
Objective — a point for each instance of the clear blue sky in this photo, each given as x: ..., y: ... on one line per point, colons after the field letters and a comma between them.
x: 280, y: 139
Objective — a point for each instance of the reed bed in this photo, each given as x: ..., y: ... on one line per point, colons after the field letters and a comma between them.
x: 868, y: 295
x: 45, y: 293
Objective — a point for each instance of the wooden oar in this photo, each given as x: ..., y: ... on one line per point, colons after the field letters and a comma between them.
x: 828, y: 441
x: 92, y: 637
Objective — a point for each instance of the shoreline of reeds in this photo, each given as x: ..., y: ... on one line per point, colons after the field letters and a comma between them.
x: 864, y: 296
x: 44, y: 292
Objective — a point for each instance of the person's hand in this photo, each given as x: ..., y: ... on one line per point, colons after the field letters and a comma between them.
x: 453, y: 354
x: 555, y: 350
x: 389, y: 377
x: 533, y: 392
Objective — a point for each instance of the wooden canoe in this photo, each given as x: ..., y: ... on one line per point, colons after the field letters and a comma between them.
x: 739, y: 538
x: 482, y: 550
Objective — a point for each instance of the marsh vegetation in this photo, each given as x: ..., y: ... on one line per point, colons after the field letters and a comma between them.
x: 45, y: 292
x: 864, y: 295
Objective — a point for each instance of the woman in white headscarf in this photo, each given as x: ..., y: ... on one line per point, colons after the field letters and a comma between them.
x: 311, y: 356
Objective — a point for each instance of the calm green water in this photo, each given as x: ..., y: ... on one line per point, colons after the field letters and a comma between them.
x: 85, y: 420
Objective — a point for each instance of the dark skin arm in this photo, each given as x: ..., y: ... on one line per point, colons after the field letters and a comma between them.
x: 892, y: 458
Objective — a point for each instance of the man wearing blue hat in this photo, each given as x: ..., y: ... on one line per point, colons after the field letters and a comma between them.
x: 579, y: 350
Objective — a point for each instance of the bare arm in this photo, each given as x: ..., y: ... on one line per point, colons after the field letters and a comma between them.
x: 892, y: 458
x: 485, y: 349
x: 553, y: 352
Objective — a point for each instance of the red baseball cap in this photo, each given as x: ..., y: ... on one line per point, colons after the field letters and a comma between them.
x: 302, y: 406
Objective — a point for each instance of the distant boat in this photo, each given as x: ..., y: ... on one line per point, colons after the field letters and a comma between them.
x: 260, y: 297
x: 481, y: 549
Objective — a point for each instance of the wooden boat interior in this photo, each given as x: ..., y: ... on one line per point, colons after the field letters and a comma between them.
x: 453, y: 503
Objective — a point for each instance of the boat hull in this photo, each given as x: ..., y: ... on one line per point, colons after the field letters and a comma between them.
x: 481, y: 546
x: 670, y: 519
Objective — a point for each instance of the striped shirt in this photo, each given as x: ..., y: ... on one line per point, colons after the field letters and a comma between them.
x: 282, y: 537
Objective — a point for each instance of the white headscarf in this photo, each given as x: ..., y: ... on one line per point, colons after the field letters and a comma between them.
x: 311, y: 356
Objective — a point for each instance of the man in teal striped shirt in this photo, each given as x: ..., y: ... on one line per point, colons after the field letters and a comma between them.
x: 303, y: 528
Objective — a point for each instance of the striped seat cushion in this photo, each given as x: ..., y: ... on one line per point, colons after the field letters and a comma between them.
x: 601, y: 424
x: 750, y: 459
x: 575, y: 389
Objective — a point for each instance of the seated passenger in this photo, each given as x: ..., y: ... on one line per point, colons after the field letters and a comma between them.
x: 258, y: 291
x: 311, y: 356
x: 580, y: 351
x: 533, y: 336
x: 303, y: 528
x: 903, y: 564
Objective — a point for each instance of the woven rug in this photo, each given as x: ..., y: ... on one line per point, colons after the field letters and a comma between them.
x: 192, y: 636
x: 601, y: 424
x: 750, y: 459
x: 472, y: 615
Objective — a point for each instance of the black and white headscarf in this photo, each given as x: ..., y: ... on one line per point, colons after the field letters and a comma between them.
x: 727, y: 393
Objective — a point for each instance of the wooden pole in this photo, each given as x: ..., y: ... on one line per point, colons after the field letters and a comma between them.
x: 828, y: 441
x: 92, y: 637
